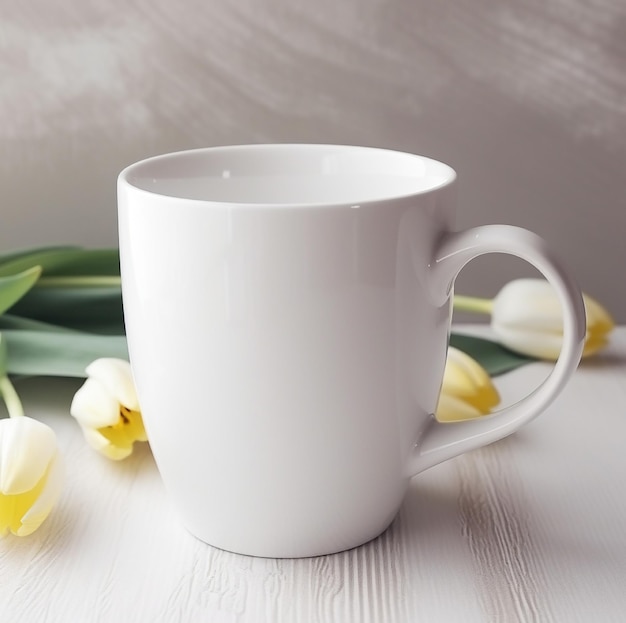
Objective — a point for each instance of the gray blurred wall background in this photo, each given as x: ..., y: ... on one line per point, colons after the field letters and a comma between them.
x: 525, y: 99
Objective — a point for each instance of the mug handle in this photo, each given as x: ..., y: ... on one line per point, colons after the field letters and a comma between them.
x: 439, y: 442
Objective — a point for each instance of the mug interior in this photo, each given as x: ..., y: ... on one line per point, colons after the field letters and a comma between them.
x: 288, y: 174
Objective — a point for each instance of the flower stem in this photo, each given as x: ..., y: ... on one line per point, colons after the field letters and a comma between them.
x: 472, y: 304
x: 93, y: 281
x: 11, y: 399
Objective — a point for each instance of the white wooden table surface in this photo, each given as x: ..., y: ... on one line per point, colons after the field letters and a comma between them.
x: 532, y: 528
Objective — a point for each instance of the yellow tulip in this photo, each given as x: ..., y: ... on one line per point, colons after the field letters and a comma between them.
x: 467, y: 391
x: 107, y: 409
x: 30, y: 474
x: 526, y: 317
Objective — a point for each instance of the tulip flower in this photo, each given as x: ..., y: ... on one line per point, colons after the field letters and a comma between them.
x: 30, y: 468
x: 467, y: 391
x: 30, y: 474
x: 526, y: 317
x: 107, y: 409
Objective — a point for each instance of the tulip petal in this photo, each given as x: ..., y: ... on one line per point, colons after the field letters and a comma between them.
x: 599, y: 321
x: 117, y: 378
x: 594, y: 343
x: 100, y: 442
x: 485, y: 398
x: 465, y: 373
x: 94, y: 406
x: 14, y: 507
x: 527, y: 318
x: 532, y: 343
x: 466, y: 379
x: 135, y: 427
x: 530, y: 304
x: 453, y: 409
x: 125, y: 435
x: 456, y: 380
x: 44, y: 503
x: 27, y: 447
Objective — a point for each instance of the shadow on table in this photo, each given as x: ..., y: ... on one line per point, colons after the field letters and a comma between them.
x: 603, y: 361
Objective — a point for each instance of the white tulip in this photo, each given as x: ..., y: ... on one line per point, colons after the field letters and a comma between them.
x: 526, y: 317
x: 467, y: 391
x: 107, y: 409
x: 31, y: 474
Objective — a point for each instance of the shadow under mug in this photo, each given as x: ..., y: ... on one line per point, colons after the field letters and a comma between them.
x: 287, y: 309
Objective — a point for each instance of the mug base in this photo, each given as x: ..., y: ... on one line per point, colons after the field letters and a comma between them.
x: 293, y: 551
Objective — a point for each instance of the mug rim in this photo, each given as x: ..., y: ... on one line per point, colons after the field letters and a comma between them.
x: 447, y: 174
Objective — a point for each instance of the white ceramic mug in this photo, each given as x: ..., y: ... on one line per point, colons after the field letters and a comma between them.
x: 287, y: 310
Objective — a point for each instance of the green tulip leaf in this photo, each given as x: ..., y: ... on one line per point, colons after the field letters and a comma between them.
x: 9, y: 321
x: 490, y: 355
x: 14, y: 256
x: 89, y: 309
x: 47, y: 258
x: 13, y: 287
x: 63, y: 261
x: 58, y: 353
x: 4, y: 356
x: 78, y: 289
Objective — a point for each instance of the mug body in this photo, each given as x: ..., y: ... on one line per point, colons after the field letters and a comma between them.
x: 285, y: 345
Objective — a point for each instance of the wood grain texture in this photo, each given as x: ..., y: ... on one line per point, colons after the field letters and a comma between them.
x: 527, y: 100
x: 494, y: 519
x: 529, y: 529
